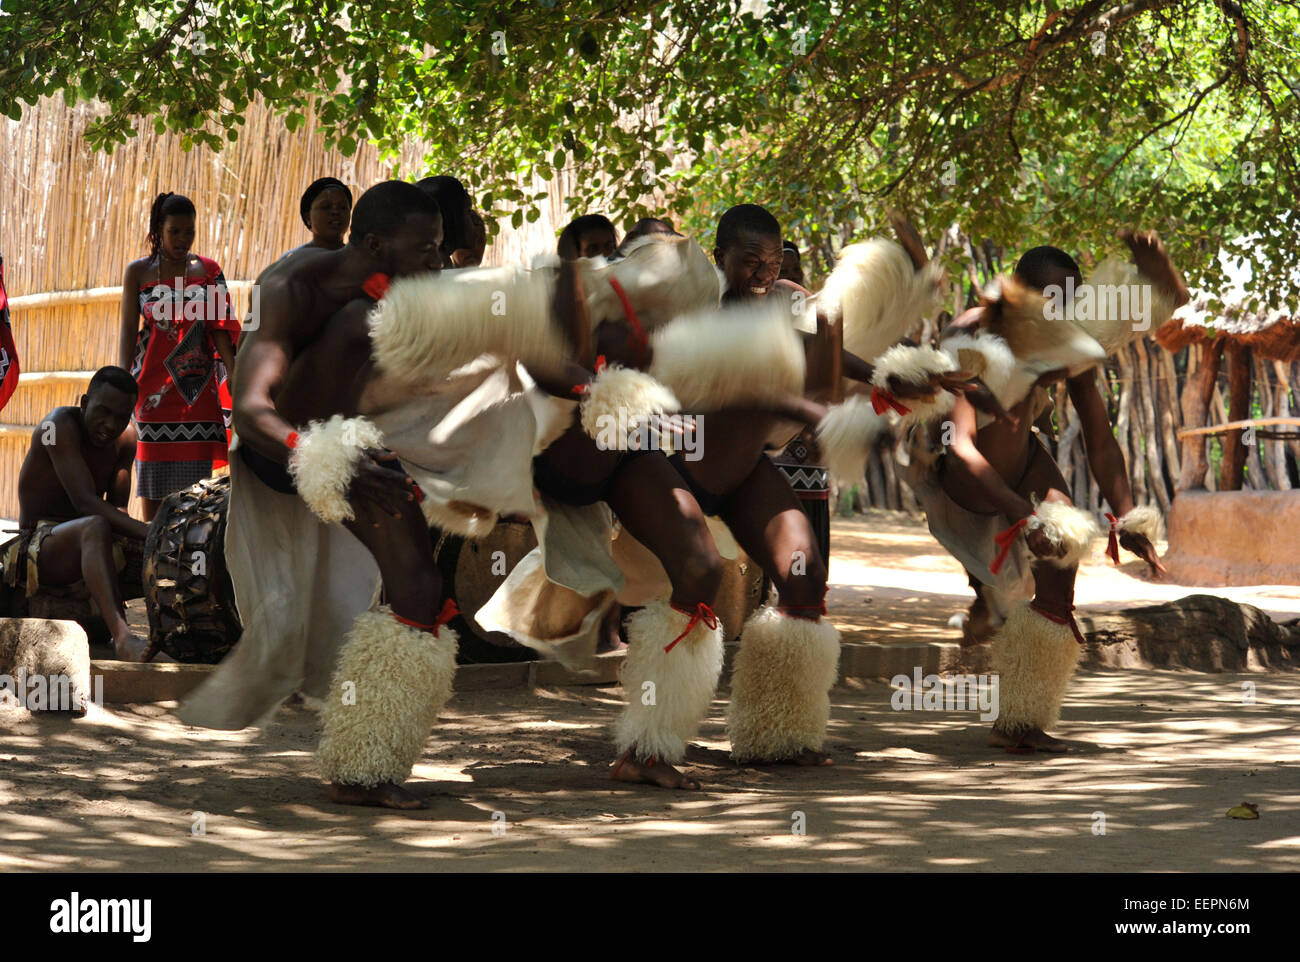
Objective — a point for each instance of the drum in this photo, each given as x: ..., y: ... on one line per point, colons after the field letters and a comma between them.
x: 187, y: 590
x: 471, y: 572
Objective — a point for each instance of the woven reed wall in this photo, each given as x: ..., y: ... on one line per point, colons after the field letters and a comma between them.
x: 71, y: 219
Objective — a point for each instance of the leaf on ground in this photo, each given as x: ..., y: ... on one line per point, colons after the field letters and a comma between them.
x: 1244, y: 810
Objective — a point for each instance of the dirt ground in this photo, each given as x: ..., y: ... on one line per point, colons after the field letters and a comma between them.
x: 517, y: 779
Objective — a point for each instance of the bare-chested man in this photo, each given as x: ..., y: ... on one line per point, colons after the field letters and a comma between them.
x: 300, y: 373
x: 73, y: 491
x: 990, y: 480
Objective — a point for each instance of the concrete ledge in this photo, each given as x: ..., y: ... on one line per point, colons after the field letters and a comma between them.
x: 126, y: 683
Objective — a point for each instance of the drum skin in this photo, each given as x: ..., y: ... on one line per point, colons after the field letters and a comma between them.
x: 188, y: 595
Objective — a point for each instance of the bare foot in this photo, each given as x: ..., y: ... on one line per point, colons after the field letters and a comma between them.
x: 1031, y: 740
x: 652, y: 772
x: 387, y: 795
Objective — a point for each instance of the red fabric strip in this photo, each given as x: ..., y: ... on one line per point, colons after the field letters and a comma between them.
x: 376, y: 286
x: 636, y: 338
x: 702, y: 612
x: 291, y: 441
x: 880, y: 400
x: 1112, y: 545
x: 1004, y: 542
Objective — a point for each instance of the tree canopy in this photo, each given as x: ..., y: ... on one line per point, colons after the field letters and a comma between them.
x: 1041, y: 122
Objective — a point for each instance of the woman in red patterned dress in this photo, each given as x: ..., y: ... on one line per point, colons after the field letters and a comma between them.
x: 188, y: 322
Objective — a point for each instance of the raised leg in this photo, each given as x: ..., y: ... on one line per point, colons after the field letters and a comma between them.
x: 668, y: 691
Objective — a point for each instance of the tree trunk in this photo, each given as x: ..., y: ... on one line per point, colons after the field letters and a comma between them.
x: 1232, y: 471
x: 1150, y: 428
x: 1123, y: 424
x: 1290, y: 449
x: 1196, y: 411
x: 1165, y: 379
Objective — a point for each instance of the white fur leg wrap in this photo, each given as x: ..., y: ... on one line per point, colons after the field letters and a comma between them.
x: 1065, y: 525
x: 1144, y: 520
x: 1035, y: 659
x: 619, y: 402
x: 846, y: 435
x: 780, y: 684
x: 987, y: 357
x: 390, y: 684
x: 432, y: 323
x: 668, y: 692
x: 730, y: 356
x: 915, y: 365
x: 325, y: 461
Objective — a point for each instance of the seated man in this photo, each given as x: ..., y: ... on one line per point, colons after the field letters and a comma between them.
x: 72, y: 494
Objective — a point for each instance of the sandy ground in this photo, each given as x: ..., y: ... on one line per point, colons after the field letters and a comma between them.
x: 1163, y: 755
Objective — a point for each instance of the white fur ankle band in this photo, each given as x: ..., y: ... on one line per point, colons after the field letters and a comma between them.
x: 619, y: 402
x: 324, y: 462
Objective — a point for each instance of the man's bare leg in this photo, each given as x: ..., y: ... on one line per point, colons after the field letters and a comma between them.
x: 1053, y: 596
x: 82, y: 550
x: 765, y: 517
x: 655, y: 506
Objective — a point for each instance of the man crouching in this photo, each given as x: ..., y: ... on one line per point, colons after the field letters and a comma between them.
x: 73, y: 490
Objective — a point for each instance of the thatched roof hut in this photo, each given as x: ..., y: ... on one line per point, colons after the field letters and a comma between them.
x: 1249, y: 335
x: 1270, y: 333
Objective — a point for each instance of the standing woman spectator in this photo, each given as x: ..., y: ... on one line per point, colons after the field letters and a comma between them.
x: 326, y: 209
x: 177, y: 319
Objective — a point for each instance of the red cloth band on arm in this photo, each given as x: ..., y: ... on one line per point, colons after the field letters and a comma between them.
x: 1004, y: 542
x: 1112, y: 545
x: 376, y: 286
x: 291, y: 441
x: 880, y: 400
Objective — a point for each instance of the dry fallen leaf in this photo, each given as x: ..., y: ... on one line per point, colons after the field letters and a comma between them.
x: 1244, y: 810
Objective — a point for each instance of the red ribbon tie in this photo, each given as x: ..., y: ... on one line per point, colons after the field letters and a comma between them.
x: 881, y: 400
x: 1112, y: 545
x: 636, y: 338
x: 1004, y: 541
x: 702, y: 613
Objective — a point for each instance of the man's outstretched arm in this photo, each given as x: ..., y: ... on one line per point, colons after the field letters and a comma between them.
x: 1106, y: 462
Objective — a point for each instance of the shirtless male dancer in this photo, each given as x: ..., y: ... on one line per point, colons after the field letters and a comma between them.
x: 994, y: 477
x: 295, y: 394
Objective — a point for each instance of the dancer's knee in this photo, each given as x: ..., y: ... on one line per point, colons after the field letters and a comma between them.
x: 698, y: 578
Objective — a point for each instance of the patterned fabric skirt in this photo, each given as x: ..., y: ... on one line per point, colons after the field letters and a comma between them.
x: 157, y: 479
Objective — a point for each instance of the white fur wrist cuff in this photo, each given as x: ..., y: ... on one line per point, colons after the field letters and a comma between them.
x: 619, y: 401
x: 1065, y: 525
x: 325, y: 461
x: 1144, y: 520
x: 915, y: 365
